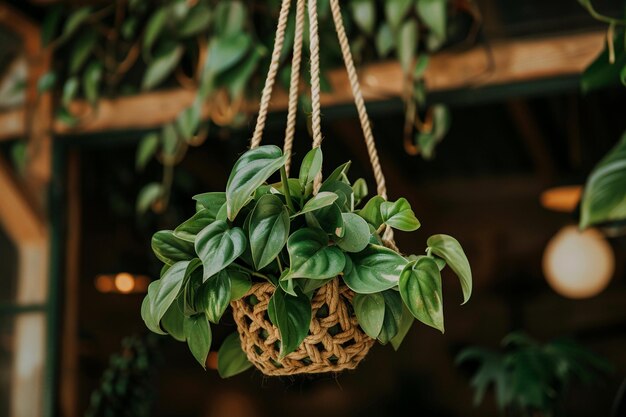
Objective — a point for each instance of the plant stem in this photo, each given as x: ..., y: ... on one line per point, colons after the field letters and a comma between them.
x: 284, y: 180
x: 251, y: 272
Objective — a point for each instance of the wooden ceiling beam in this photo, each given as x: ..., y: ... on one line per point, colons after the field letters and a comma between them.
x: 507, y: 62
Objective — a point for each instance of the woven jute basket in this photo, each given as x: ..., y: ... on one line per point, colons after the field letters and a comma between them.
x: 335, y: 342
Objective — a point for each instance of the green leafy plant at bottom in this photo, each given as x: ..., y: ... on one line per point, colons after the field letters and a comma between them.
x: 530, y: 378
x: 298, y: 240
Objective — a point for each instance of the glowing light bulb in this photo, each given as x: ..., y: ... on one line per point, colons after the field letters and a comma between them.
x: 578, y: 264
x: 124, y: 282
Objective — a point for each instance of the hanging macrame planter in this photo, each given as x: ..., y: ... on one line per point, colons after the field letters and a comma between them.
x: 313, y: 276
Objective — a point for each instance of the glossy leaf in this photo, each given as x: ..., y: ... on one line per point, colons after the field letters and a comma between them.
x: 218, y: 245
x: 173, y: 322
x: 393, y: 317
x: 339, y: 174
x: 240, y: 284
x: 311, y: 166
x: 450, y: 250
x: 170, y: 286
x: 329, y: 219
x: 370, y: 311
x: 251, y: 170
x: 360, y: 191
x: 213, y: 202
x: 371, y: 211
x: 292, y: 316
x: 311, y: 257
x: 194, y: 225
x: 170, y: 249
x: 604, y: 198
x: 198, y: 335
x: 345, y: 198
x: 231, y: 359
x: 147, y: 312
x: 214, y: 295
x: 373, y: 270
x: 356, y: 233
x: 399, y: 215
x: 319, y: 201
x: 406, y: 322
x: 420, y: 289
x: 268, y: 230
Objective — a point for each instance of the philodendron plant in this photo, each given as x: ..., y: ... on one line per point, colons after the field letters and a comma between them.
x: 298, y: 240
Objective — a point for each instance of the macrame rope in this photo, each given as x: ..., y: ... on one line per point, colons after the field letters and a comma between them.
x: 296, y: 63
x: 271, y: 75
x: 358, y: 99
x: 316, y: 111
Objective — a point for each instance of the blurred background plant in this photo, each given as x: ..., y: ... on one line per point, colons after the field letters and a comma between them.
x: 530, y: 378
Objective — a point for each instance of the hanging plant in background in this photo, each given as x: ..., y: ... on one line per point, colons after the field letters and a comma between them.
x: 217, y: 48
x: 604, y: 198
x: 530, y: 378
x: 277, y: 252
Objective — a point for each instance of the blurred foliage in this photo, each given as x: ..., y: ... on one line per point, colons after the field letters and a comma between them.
x: 221, y: 49
x: 127, y: 386
x: 529, y: 377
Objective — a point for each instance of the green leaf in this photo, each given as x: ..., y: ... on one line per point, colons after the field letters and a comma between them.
x: 170, y: 286
x: 147, y: 313
x: 370, y: 311
x: 218, y: 246
x: 240, y: 284
x: 602, y: 72
x: 81, y: 50
x: 70, y: 88
x: 406, y: 322
x: 196, y: 22
x: 50, y: 24
x: 188, y: 121
x: 364, y: 15
x: 311, y: 257
x: 385, y: 41
x: 373, y: 270
x: 189, y: 229
x: 173, y: 322
x: 420, y: 289
x: 328, y: 219
x: 450, y: 250
x: 395, y: 11
x: 371, y: 211
x: 213, y: 202
x: 319, y: 201
x: 434, y: 15
x: 339, y: 174
x: 231, y: 359
x: 393, y: 317
x: 226, y: 52
x: 46, y: 82
x: 604, y: 198
x: 237, y: 78
x: 170, y: 249
x: 399, y: 215
x: 230, y: 18
x: 146, y: 150
x: 154, y: 28
x: 310, y: 167
x: 292, y: 316
x: 345, y: 199
x: 148, y: 195
x: 75, y: 20
x: 198, y: 335
x: 251, y: 170
x: 360, y: 191
x: 356, y: 233
x: 92, y: 77
x: 213, y: 296
x: 162, y: 66
x: 408, y: 39
x: 268, y: 230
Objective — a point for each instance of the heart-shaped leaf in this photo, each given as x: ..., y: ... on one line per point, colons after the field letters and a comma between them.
x: 328, y: 219
x: 356, y: 233
x: 604, y: 198
x: 231, y: 359
x: 173, y: 322
x: 399, y: 215
x: 213, y: 202
x: 310, y: 167
x: 198, y: 335
x: 321, y: 200
x: 147, y: 313
x: 450, y: 250
x: 360, y: 191
x: 364, y: 15
x: 405, y: 325
x: 393, y: 317
x: 371, y: 211
x: 339, y: 174
x: 191, y: 227
x: 171, y: 249
x: 251, y: 170
x: 420, y: 289
x: 311, y: 257
x: 370, y: 311
x: 218, y: 246
x: 345, y: 199
x: 292, y: 316
x: 240, y: 284
x: 268, y: 230
x: 396, y: 10
x: 213, y: 296
x: 373, y: 270
x: 170, y: 286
